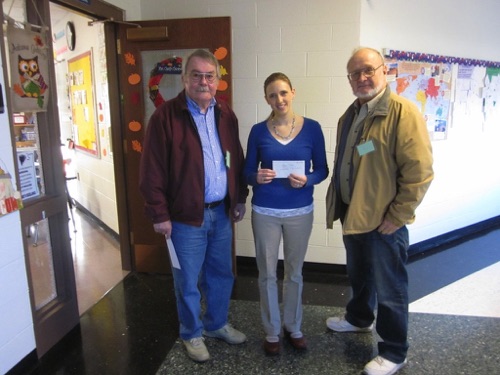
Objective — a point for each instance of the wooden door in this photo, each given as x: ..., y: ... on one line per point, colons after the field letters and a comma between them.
x: 150, y: 59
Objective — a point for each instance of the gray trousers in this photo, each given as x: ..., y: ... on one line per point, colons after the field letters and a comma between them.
x: 267, y: 232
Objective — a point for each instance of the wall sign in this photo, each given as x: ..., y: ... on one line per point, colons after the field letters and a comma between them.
x: 27, y: 174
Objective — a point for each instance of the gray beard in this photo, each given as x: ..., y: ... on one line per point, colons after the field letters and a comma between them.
x: 370, y: 94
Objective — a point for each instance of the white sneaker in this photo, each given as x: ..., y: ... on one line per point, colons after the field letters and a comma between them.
x: 381, y: 366
x: 228, y: 334
x: 342, y: 325
x: 196, y: 349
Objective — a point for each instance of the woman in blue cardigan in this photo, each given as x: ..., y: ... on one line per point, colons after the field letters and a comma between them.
x: 285, y: 158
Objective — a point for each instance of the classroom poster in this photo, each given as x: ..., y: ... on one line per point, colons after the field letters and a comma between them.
x: 428, y: 85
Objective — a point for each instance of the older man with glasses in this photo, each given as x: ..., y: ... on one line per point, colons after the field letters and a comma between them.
x: 383, y: 168
x: 192, y: 183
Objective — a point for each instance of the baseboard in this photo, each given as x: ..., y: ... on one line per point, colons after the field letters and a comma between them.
x: 431, y: 245
x: 452, y: 238
x: 98, y: 221
x: 26, y: 365
x: 247, y: 264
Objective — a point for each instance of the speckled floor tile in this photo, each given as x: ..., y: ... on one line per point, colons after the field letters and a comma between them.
x: 133, y: 329
x: 439, y: 344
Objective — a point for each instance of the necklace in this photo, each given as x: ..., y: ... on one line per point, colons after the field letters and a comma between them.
x: 285, y: 138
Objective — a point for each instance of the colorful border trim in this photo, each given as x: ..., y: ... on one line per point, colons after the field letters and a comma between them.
x: 426, y: 57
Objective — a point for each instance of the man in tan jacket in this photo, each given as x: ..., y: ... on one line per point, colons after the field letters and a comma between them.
x: 383, y: 168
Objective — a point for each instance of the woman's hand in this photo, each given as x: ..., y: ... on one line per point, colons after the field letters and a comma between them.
x: 297, y: 181
x: 265, y: 176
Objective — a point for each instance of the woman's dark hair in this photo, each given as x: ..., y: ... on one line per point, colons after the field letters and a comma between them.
x: 278, y: 76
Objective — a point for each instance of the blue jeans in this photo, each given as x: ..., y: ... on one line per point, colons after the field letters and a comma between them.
x: 205, y: 259
x: 376, y: 267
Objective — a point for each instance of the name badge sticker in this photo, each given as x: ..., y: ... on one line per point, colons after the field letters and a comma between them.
x: 365, y: 148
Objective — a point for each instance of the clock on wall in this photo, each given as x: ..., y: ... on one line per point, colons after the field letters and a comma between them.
x: 70, y: 35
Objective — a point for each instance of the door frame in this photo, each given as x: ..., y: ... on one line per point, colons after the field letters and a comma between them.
x: 105, y: 12
x: 148, y: 249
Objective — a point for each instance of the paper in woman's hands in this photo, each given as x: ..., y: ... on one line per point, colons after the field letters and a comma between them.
x: 284, y: 168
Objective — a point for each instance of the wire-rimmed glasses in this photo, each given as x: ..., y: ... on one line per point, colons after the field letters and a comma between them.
x: 367, y: 72
x: 195, y: 76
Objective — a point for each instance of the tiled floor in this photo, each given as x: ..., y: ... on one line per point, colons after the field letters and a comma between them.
x: 454, y: 320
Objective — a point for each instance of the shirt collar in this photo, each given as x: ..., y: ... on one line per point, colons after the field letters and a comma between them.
x: 195, y: 108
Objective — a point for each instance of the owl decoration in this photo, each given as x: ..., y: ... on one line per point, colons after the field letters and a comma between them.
x: 31, y: 83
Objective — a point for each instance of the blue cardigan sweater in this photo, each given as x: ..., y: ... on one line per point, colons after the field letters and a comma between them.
x: 263, y: 148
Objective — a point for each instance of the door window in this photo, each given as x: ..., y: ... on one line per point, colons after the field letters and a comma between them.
x: 162, y: 71
x: 41, y: 262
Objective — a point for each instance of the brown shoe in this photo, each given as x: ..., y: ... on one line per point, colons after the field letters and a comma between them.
x: 298, y: 343
x: 271, y: 348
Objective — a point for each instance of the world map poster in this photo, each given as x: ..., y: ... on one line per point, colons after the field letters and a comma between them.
x: 428, y: 85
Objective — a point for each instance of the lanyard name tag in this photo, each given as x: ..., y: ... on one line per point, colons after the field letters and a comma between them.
x: 365, y: 148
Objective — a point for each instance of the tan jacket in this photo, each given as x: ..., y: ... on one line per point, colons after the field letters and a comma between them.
x: 392, y: 180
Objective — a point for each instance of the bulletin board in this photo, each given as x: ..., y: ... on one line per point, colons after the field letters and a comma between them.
x: 428, y: 84
x: 81, y: 92
x: 449, y: 91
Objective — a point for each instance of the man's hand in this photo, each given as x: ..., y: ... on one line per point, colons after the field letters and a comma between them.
x: 239, y: 212
x: 387, y: 227
x: 164, y: 228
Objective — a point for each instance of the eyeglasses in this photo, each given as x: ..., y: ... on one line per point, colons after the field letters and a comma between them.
x: 197, y: 77
x: 367, y: 72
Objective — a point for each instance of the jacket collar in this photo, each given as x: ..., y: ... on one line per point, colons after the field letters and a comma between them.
x: 382, y: 107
